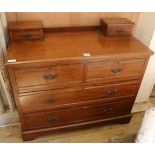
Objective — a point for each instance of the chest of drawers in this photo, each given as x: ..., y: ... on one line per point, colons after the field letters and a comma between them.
x: 57, y: 88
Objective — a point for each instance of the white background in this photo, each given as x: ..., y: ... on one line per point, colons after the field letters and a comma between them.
x: 77, y: 6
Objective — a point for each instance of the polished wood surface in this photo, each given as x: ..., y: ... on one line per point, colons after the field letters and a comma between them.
x: 32, y: 134
x: 72, y: 46
x: 52, y: 75
x: 76, y: 115
x: 71, y: 29
x: 57, y: 87
x: 119, y: 70
x: 49, y: 100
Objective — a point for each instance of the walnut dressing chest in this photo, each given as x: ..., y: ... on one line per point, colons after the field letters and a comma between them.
x: 72, y: 80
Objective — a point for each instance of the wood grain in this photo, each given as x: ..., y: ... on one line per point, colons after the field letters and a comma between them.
x: 56, y: 99
x: 68, y: 19
x: 76, y: 115
x: 110, y: 58
x: 116, y: 26
x: 52, y: 75
x: 108, y: 71
x: 25, y: 31
x: 68, y: 46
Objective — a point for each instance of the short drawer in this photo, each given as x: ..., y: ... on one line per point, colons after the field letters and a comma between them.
x: 125, y: 30
x: 27, y: 35
x: 116, y: 27
x: 112, y: 71
x: 76, y: 115
x: 52, y: 75
x: 58, y: 99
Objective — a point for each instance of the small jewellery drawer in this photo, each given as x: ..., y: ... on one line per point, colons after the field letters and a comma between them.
x: 25, y: 30
x: 116, y: 27
x: 26, y: 35
x: 115, y: 70
x: 120, y: 30
x: 76, y: 115
x: 57, y: 99
x: 52, y: 75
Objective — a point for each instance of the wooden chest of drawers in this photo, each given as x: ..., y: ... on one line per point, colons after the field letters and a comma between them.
x: 57, y: 88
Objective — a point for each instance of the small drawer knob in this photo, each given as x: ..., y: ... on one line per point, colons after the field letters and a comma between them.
x: 112, y: 92
x: 110, y: 109
x: 107, y: 110
x: 26, y: 35
x: 50, y: 100
x: 120, y: 30
x: 52, y: 118
x: 116, y: 70
x: 50, y: 76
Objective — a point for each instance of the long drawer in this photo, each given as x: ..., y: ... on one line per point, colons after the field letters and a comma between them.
x: 76, y: 115
x: 115, y: 70
x: 55, y: 99
x: 52, y: 75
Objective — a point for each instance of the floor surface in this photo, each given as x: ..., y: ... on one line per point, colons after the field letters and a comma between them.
x: 104, y: 134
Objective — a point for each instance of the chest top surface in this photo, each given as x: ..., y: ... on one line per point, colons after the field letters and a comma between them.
x: 73, y: 45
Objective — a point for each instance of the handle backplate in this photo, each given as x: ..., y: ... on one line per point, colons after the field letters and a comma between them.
x: 50, y: 100
x: 52, y: 118
x: 112, y: 92
x: 50, y: 76
x: 107, y: 110
x: 116, y: 70
x: 26, y: 35
x: 120, y: 30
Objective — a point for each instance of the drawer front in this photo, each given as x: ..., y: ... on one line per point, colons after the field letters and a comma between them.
x: 59, y: 99
x: 76, y: 115
x: 26, y: 35
x: 124, y: 30
x: 115, y: 70
x: 57, y: 75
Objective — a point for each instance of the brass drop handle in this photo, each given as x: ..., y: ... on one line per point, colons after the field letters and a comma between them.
x: 52, y: 118
x: 50, y: 100
x: 112, y: 92
x: 50, y: 76
x: 120, y: 30
x: 116, y: 70
x: 26, y: 35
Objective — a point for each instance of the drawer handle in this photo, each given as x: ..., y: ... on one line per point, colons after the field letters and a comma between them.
x: 50, y: 76
x: 112, y: 92
x: 120, y: 30
x: 26, y: 35
x: 116, y: 70
x: 52, y: 118
x: 50, y: 100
